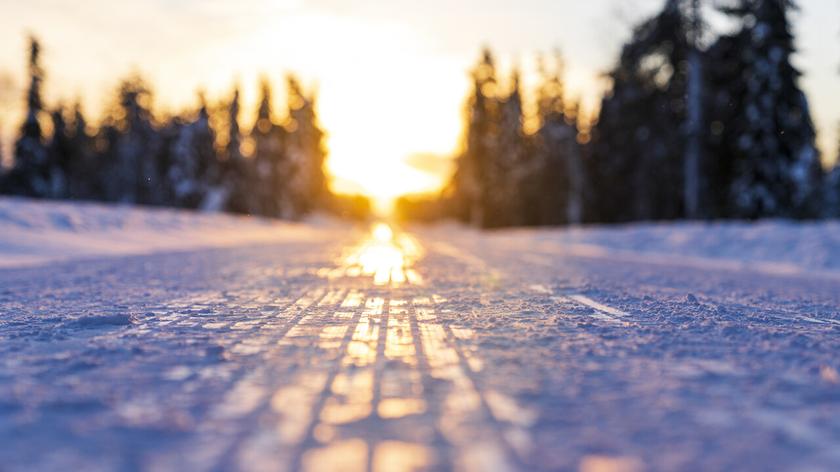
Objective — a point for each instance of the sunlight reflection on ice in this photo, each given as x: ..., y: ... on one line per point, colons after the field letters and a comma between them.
x: 349, y: 456
x: 398, y: 456
x: 386, y: 256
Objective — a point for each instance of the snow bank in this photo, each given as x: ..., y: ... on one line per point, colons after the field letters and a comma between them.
x: 36, y: 232
x: 769, y: 246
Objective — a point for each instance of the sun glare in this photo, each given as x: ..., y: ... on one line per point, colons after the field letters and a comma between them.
x: 383, y: 233
x: 386, y: 256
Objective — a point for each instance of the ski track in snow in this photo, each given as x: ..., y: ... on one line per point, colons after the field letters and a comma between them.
x: 345, y: 352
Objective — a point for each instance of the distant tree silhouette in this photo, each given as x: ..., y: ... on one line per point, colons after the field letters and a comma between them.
x: 237, y: 171
x: 193, y: 169
x: 31, y: 173
x: 133, y: 175
x: 558, y: 169
x: 270, y: 159
x: 505, y: 170
x: 60, y: 151
x: 83, y: 169
x: 135, y: 157
x: 306, y: 154
x: 473, y: 193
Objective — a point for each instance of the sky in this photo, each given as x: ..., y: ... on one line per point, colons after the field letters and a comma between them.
x: 391, y: 75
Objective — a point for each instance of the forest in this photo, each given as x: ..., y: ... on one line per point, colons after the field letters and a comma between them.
x: 692, y: 127
x: 199, y: 159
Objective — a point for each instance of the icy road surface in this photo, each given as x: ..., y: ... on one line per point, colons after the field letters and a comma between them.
x: 433, y: 349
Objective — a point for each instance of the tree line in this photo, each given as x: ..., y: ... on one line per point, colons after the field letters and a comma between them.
x: 693, y: 126
x: 198, y: 159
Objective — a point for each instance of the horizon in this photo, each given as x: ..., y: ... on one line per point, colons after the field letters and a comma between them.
x: 371, y: 118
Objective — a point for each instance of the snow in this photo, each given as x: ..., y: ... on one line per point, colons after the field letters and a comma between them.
x: 36, y: 232
x: 642, y: 347
x: 769, y: 246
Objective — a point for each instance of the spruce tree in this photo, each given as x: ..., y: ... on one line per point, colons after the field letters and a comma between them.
x: 191, y: 173
x: 775, y: 166
x: 560, y: 176
x: 60, y: 151
x: 134, y: 175
x: 639, y: 140
x: 208, y: 166
x: 238, y: 175
x: 693, y: 164
x: 31, y: 173
x: 84, y: 172
x: 831, y: 200
x: 470, y: 192
x: 506, y: 169
x: 4, y: 176
x: 269, y: 156
x: 726, y: 90
x: 306, y: 179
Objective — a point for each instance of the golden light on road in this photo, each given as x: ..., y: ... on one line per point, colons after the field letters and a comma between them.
x: 383, y: 233
x: 386, y: 256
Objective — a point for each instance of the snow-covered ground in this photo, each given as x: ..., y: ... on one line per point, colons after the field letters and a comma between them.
x: 36, y: 232
x: 786, y: 246
x: 649, y: 347
x: 771, y: 246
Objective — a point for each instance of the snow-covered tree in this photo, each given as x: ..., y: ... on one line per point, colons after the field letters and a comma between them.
x: 505, y: 166
x: 559, y: 170
x: 775, y: 166
x: 305, y: 174
x: 269, y: 158
x: 637, y: 166
x: 133, y: 173
x: 469, y: 192
x: 693, y: 161
x: 192, y: 171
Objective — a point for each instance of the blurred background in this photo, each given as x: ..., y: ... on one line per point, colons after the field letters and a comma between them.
x: 497, y: 113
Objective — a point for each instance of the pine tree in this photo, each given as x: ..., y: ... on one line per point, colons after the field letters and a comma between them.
x: 31, y: 174
x: 831, y: 190
x: 559, y: 177
x: 192, y: 171
x: 60, y: 150
x: 269, y: 158
x: 693, y: 160
x: 208, y: 166
x: 4, y: 177
x: 84, y: 174
x: 725, y: 93
x: 831, y: 200
x: 134, y: 175
x: 238, y: 172
x: 306, y: 178
x: 470, y: 192
x: 505, y: 166
x: 775, y: 166
x: 638, y: 142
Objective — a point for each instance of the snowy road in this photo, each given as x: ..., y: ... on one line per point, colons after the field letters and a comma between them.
x: 434, y: 349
